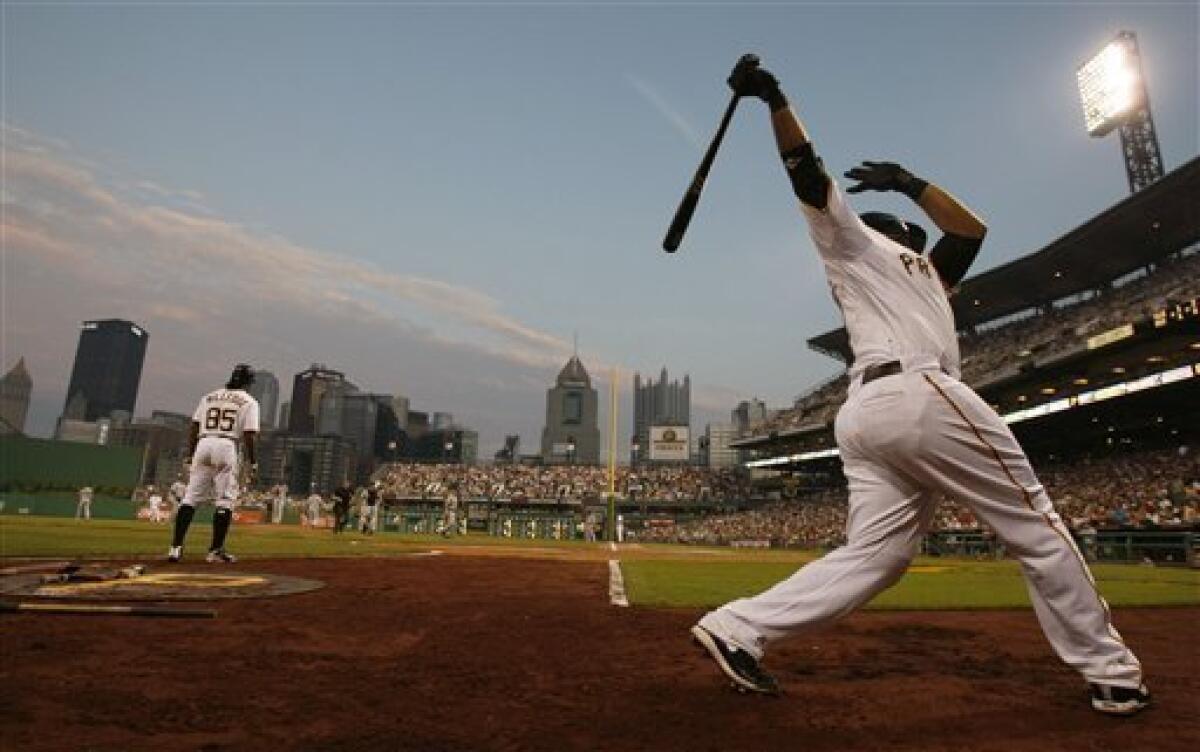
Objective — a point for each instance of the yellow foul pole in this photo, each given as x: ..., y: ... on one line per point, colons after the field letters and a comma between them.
x: 612, y: 434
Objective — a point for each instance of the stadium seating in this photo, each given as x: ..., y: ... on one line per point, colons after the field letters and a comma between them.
x: 998, y: 351
x: 1145, y: 491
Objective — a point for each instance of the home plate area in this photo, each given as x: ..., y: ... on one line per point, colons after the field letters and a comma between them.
x: 130, y: 584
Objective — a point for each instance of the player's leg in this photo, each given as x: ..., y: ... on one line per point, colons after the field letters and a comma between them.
x: 888, y: 517
x: 225, y: 485
x: 970, y: 454
x: 200, y: 478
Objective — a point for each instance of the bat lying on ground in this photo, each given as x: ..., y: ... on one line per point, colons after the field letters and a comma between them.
x: 167, y: 612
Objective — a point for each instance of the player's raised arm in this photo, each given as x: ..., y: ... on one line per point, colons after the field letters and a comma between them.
x: 809, y: 180
x: 964, y: 231
x: 835, y: 228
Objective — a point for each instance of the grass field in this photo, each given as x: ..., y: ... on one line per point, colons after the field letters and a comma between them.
x: 929, y: 584
x: 656, y: 576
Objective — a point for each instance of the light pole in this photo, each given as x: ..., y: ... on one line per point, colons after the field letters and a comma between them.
x: 448, y: 448
x: 570, y: 450
x: 634, y: 448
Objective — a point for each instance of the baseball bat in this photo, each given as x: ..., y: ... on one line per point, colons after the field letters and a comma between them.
x: 92, y: 609
x: 687, y: 207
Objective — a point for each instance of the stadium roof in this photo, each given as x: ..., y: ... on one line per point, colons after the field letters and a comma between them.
x: 1137, y: 231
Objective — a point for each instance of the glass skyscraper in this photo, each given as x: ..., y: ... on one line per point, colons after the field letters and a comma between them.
x: 107, y: 370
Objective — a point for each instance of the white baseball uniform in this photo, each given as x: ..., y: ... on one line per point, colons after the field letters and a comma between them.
x: 904, y: 438
x: 177, y: 491
x: 224, y: 416
x: 84, y: 508
x: 155, y: 504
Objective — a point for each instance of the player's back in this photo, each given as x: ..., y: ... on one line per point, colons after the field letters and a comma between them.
x: 227, y: 413
x: 894, y: 307
x: 892, y: 299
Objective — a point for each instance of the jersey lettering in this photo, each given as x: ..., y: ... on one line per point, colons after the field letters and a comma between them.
x: 227, y: 413
x: 910, y: 261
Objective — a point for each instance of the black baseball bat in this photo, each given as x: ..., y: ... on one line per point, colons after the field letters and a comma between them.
x: 687, y: 207
x: 168, y: 612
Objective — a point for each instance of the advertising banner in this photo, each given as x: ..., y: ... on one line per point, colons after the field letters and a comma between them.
x: 669, y: 443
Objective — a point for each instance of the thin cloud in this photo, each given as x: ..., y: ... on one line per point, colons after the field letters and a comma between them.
x: 672, y: 116
x: 212, y: 291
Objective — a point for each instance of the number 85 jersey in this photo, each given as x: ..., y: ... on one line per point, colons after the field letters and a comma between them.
x: 227, y: 413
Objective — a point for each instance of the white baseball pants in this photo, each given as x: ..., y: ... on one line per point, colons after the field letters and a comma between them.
x: 213, y: 472
x: 902, y: 439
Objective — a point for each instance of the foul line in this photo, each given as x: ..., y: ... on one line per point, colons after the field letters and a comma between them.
x: 616, y: 584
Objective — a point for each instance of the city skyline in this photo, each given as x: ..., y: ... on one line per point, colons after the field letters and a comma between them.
x: 435, y: 198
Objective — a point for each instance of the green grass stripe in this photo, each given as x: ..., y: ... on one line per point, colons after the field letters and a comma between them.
x: 31, y: 536
x: 934, y: 584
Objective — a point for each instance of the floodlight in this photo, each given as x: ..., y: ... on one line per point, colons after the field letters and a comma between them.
x: 1110, y: 86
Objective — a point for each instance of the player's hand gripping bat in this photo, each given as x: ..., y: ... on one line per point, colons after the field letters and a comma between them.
x: 687, y: 207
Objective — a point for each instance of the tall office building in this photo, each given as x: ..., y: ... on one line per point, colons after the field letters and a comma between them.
x: 265, y: 389
x: 307, y: 390
x: 107, y: 370
x: 715, y: 449
x: 353, y: 416
x: 571, y: 434
x: 15, y: 389
x: 665, y: 403
x: 748, y: 414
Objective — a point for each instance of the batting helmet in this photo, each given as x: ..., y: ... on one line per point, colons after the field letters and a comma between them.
x: 909, y: 234
x: 242, y: 376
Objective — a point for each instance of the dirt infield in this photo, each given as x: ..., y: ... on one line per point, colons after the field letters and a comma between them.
x: 471, y: 653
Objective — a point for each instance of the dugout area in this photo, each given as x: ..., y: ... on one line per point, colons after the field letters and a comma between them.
x: 518, y: 648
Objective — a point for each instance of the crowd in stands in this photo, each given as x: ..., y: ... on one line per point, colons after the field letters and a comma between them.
x: 816, y: 521
x: 986, y: 355
x: 1145, y: 491
x: 560, y: 482
x: 1068, y: 327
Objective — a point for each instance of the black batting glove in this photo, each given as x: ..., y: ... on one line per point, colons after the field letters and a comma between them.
x: 885, y: 176
x: 749, y: 80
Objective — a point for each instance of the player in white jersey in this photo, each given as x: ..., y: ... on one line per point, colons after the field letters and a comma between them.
x: 910, y: 430
x: 155, y: 505
x: 176, y: 493
x: 223, y: 420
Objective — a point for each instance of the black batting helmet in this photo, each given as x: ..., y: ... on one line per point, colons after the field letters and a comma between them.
x: 242, y: 376
x: 909, y: 234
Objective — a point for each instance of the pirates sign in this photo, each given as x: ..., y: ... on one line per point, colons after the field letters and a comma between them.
x: 669, y: 444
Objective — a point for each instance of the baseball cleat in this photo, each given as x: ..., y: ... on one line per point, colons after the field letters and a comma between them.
x: 1113, y: 700
x: 175, y: 554
x: 220, y: 556
x: 741, y: 667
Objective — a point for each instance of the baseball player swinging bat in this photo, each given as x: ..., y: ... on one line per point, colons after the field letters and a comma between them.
x: 687, y: 207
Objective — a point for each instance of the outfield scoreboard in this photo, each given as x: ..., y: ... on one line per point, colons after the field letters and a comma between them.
x: 669, y: 444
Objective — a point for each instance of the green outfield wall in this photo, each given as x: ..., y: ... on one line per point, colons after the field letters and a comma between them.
x: 40, y: 464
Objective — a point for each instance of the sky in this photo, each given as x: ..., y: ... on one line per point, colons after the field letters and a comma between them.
x: 437, y: 198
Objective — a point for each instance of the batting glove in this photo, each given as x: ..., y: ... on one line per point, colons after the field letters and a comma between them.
x: 885, y: 176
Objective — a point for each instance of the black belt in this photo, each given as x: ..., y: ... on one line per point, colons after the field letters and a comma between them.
x: 878, y: 371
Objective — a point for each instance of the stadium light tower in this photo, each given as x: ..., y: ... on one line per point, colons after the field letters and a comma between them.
x: 1114, y: 95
